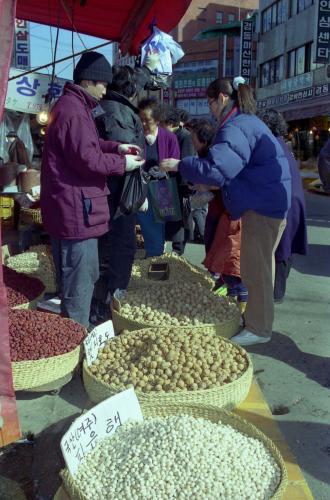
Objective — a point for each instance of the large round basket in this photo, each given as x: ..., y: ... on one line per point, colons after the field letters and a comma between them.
x: 32, y: 304
x: 180, y: 269
x: 37, y: 373
x: 214, y: 415
x: 226, y: 328
x: 30, y: 216
x: 226, y: 396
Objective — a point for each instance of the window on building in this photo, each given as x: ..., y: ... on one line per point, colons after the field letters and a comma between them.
x: 273, y: 15
x: 272, y: 71
x: 230, y: 67
x: 300, y: 60
x: 219, y: 17
x: 299, y: 6
x: 291, y: 63
x: 231, y: 18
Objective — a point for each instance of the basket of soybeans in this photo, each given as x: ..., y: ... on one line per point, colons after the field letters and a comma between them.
x: 188, y: 452
x: 185, y: 304
x: 38, y: 263
x: 180, y: 270
x: 171, y: 366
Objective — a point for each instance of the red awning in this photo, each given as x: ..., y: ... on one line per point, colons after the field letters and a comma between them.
x: 124, y: 21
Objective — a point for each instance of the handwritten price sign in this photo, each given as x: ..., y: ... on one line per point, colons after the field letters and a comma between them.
x: 96, y: 340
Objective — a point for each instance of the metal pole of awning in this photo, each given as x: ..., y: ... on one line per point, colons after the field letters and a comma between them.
x: 224, y: 56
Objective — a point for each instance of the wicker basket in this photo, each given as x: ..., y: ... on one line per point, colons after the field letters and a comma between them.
x: 30, y: 216
x: 226, y: 328
x: 180, y: 269
x: 227, y: 396
x: 36, y: 373
x: 214, y: 415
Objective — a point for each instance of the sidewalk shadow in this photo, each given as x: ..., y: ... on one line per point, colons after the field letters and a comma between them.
x: 308, y: 441
x: 284, y: 349
x: 35, y: 467
x: 316, y: 263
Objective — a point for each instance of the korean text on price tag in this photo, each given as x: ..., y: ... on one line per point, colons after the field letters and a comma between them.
x: 96, y: 340
x: 98, y: 423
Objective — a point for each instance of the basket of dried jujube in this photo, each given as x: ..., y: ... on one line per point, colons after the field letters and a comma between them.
x: 44, y: 347
x: 181, y: 453
x: 171, y: 366
x: 36, y: 262
x: 23, y: 292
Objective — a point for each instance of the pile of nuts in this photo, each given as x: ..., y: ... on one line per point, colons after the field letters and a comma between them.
x: 20, y: 287
x: 36, y: 262
x: 169, y: 361
x: 180, y: 269
x: 36, y: 335
x: 184, y: 304
x: 178, y: 458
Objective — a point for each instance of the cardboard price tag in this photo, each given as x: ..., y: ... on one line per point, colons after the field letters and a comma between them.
x: 96, y: 424
x: 96, y: 339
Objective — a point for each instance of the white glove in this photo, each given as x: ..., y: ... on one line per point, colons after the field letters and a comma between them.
x: 133, y: 162
x: 145, y: 205
x: 131, y: 149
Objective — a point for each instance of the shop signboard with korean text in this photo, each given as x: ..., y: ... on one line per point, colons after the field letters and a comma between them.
x: 246, y: 49
x: 298, y: 96
x: 322, y: 41
x: 27, y: 93
x: 21, y: 46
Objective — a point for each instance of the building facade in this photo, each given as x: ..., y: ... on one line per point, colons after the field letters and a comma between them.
x: 203, y: 60
x: 289, y: 79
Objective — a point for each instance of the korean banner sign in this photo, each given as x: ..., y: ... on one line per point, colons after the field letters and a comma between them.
x: 27, y: 93
x: 21, y: 48
x: 246, y: 49
x: 322, y: 45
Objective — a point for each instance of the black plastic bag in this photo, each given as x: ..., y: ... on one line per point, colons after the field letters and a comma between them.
x: 134, y: 192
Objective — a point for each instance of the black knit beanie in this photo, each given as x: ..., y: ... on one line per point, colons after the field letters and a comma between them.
x: 93, y: 66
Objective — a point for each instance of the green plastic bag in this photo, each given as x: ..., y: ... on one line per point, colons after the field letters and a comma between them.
x: 165, y: 202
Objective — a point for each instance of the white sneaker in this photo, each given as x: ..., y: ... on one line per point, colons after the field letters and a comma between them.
x: 245, y: 337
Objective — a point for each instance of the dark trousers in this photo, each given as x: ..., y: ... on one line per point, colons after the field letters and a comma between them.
x: 196, y: 220
x: 77, y: 270
x: 121, y: 240
x: 282, y: 271
x: 121, y: 251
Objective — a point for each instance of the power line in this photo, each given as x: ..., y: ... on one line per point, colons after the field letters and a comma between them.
x: 59, y: 61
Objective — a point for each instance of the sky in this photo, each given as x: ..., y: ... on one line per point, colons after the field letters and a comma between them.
x: 43, y: 39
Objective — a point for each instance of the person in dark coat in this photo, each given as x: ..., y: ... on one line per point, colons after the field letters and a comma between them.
x: 324, y: 166
x: 74, y: 192
x: 177, y: 232
x: 247, y: 162
x: 121, y: 122
x: 17, y: 151
x: 294, y: 237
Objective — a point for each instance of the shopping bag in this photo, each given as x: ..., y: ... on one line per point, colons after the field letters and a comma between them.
x: 168, y: 49
x: 134, y: 193
x: 164, y: 198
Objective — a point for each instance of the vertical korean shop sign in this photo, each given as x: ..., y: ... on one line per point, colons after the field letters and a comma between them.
x: 322, y: 45
x: 21, y: 47
x: 246, y: 49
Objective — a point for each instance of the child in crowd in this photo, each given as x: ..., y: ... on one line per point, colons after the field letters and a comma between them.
x: 222, y: 235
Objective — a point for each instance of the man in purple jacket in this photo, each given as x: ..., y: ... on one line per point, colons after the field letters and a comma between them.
x: 75, y: 166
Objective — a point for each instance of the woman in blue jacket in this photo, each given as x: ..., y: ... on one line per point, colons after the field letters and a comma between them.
x: 247, y: 162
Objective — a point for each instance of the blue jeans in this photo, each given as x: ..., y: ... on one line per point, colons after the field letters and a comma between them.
x: 153, y: 233
x: 77, y: 270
